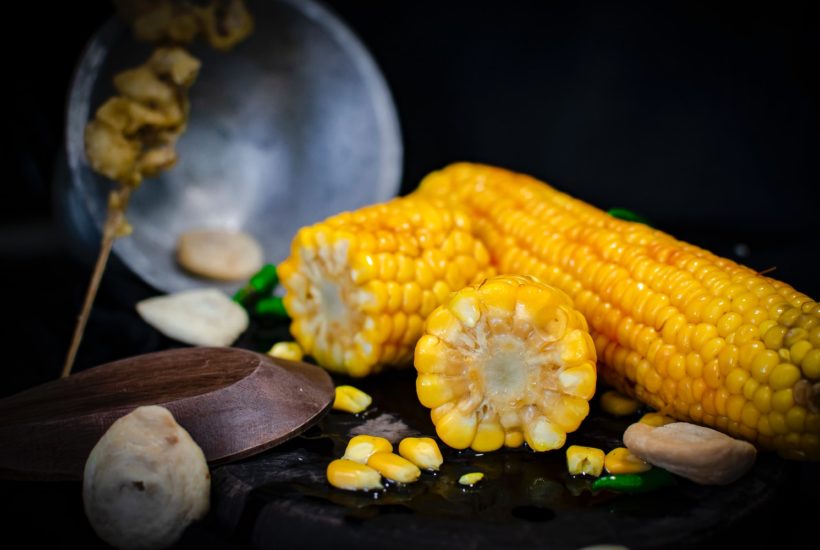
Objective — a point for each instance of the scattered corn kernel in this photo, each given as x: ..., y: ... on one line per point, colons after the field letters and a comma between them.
x: 394, y: 467
x: 421, y: 451
x: 471, y: 479
x: 350, y: 399
x: 585, y: 460
x: 352, y: 476
x: 622, y: 461
x: 617, y: 404
x: 287, y: 350
x: 362, y: 447
x: 656, y: 419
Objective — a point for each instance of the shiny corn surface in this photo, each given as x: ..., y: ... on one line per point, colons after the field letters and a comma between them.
x: 696, y: 336
x: 352, y: 476
x: 287, y: 350
x: 585, y: 460
x: 360, y: 284
x: 421, y: 451
x: 351, y: 399
x: 361, y: 447
x: 506, y: 361
x: 622, y: 461
x: 394, y: 467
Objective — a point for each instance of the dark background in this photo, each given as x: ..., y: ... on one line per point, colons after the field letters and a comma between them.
x: 702, y: 118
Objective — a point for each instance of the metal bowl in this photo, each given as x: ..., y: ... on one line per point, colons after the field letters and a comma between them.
x: 294, y: 124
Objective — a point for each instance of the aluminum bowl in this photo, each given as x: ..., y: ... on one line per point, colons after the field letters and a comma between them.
x: 294, y: 124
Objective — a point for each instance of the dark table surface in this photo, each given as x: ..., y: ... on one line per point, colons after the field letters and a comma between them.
x: 702, y: 118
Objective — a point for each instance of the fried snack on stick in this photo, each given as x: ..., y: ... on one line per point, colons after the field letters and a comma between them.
x: 223, y: 23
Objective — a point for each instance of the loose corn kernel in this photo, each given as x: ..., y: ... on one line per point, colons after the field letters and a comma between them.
x: 361, y: 447
x: 352, y: 476
x: 470, y: 479
x: 585, y: 460
x: 618, y: 404
x: 394, y: 467
x: 656, y: 419
x: 350, y: 399
x: 622, y: 461
x: 421, y: 451
x: 287, y: 350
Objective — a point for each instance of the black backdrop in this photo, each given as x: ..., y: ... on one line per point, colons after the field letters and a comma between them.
x: 702, y: 118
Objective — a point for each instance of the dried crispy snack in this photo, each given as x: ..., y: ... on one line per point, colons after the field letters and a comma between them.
x: 223, y: 23
x: 145, y: 481
x: 219, y: 254
x: 134, y: 134
x: 200, y: 317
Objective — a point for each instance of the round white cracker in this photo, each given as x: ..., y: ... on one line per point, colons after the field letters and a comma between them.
x: 200, y: 317
x: 145, y: 481
x: 219, y: 254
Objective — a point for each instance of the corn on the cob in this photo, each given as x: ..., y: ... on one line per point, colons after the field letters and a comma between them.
x: 360, y: 284
x: 506, y: 361
x: 696, y: 336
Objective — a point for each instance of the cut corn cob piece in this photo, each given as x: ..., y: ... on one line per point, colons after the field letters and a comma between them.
x: 421, y: 451
x: 287, y: 350
x: 622, y: 461
x: 585, y: 460
x: 394, y: 467
x: 352, y: 476
x: 617, y: 404
x: 362, y: 447
x: 360, y: 284
x: 470, y: 479
x: 506, y: 358
x: 697, y: 337
x: 351, y: 399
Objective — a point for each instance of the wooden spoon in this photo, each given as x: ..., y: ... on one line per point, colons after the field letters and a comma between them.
x: 233, y: 402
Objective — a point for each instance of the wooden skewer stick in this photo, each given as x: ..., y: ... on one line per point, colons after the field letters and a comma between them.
x: 114, y: 222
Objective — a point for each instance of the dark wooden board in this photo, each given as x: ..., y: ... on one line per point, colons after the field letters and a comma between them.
x: 233, y: 402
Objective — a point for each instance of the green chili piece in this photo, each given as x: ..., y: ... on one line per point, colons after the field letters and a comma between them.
x: 262, y: 283
x: 656, y: 478
x: 628, y: 215
x: 271, y: 306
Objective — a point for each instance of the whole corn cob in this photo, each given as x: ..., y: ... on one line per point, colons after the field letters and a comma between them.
x: 696, y: 336
x: 506, y: 361
x: 360, y: 284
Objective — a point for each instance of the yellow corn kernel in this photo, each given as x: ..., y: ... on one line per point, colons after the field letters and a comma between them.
x: 286, y: 350
x: 675, y: 326
x: 421, y: 451
x: 585, y: 460
x: 347, y: 275
x: 470, y: 479
x: 656, y: 419
x: 361, y: 447
x: 509, y: 355
x: 618, y: 404
x: 394, y: 467
x: 350, y: 399
x: 622, y: 461
x: 352, y: 476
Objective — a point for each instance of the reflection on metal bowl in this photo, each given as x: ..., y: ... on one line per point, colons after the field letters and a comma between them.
x: 292, y: 125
